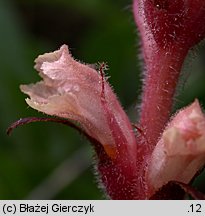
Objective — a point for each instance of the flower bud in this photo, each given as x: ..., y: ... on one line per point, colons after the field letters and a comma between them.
x: 180, y: 152
x: 77, y: 92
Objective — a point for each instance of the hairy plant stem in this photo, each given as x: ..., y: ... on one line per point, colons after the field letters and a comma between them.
x: 161, y: 78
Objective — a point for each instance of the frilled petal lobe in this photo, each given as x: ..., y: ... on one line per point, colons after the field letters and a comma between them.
x: 73, y: 90
x: 180, y: 153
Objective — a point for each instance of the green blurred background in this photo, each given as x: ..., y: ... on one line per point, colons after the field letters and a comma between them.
x: 51, y: 161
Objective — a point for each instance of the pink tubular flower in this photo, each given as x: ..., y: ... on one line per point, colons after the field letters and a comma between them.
x: 75, y: 91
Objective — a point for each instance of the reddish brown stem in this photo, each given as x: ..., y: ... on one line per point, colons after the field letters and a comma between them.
x: 161, y: 78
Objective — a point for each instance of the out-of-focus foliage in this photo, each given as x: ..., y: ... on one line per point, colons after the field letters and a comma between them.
x: 96, y: 31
